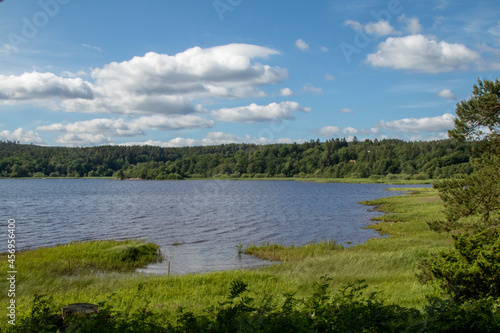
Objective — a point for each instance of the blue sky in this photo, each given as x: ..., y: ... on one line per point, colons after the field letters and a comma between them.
x: 202, y: 72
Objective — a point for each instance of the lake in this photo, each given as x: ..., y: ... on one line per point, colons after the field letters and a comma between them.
x: 205, y: 219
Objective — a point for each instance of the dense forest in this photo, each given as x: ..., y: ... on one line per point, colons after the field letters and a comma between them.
x: 335, y: 158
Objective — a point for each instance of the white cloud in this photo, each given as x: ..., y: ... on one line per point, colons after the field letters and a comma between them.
x: 7, y: 49
x: 213, y: 138
x: 346, y: 110
x: 286, y: 92
x: 329, y: 131
x: 436, y: 136
x: 154, y: 83
x: 110, y: 127
x: 36, y: 86
x: 417, y: 125
x: 416, y: 52
x: 349, y: 131
x: 312, y: 89
x: 21, y: 135
x: 258, y: 113
x: 329, y: 77
x: 412, y: 24
x: 97, y: 48
x: 303, y: 46
x: 353, y: 24
x: 446, y: 93
x: 101, y: 131
x: 379, y: 28
x: 324, y: 49
x: 83, y: 139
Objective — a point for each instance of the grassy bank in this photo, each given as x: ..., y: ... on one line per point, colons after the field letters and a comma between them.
x: 382, y: 180
x: 98, y: 271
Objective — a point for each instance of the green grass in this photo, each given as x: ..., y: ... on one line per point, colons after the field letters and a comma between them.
x: 278, y: 252
x: 93, y: 272
x: 329, y: 180
x: 370, y: 181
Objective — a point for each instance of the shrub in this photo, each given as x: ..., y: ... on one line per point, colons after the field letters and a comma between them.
x: 469, y: 271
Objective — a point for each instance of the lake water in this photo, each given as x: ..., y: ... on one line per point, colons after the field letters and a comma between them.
x: 208, y: 218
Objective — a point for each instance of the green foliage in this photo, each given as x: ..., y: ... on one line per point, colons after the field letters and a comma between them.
x: 350, y: 309
x: 479, y: 316
x: 473, y: 202
x: 478, y: 118
x: 334, y: 158
x: 469, y: 271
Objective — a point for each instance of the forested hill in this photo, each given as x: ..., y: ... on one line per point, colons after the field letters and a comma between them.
x: 334, y: 158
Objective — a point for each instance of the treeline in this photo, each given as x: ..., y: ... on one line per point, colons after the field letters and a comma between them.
x: 335, y: 158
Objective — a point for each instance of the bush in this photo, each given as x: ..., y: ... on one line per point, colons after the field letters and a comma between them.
x: 421, y: 176
x: 469, y: 271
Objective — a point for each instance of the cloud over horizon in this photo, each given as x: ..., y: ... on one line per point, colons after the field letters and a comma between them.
x: 259, y: 113
x: 419, y: 53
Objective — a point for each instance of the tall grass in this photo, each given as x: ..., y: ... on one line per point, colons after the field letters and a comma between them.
x: 278, y: 252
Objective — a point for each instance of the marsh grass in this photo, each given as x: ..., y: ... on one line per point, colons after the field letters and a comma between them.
x: 94, y: 272
x: 278, y: 252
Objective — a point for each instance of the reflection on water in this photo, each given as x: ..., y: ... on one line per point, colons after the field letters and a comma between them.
x: 198, y: 224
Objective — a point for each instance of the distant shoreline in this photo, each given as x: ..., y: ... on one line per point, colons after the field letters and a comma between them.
x: 312, y: 180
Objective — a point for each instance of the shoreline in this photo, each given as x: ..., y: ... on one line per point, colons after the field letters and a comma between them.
x: 311, y: 180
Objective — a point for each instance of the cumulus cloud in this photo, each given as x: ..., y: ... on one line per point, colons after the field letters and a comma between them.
x: 379, y: 28
x: 417, y: 125
x: 329, y: 131
x: 84, y: 139
x: 329, y: 77
x: 154, y: 83
x: 412, y: 24
x: 346, y: 110
x: 303, y: 46
x: 324, y: 49
x: 446, y: 93
x: 258, y: 113
x: 101, y: 131
x: 21, y: 135
x: 36, y: 86
x: 349, y: 131
x: 286, y: 92
x: 138, y: 126
x: 416, y: 52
